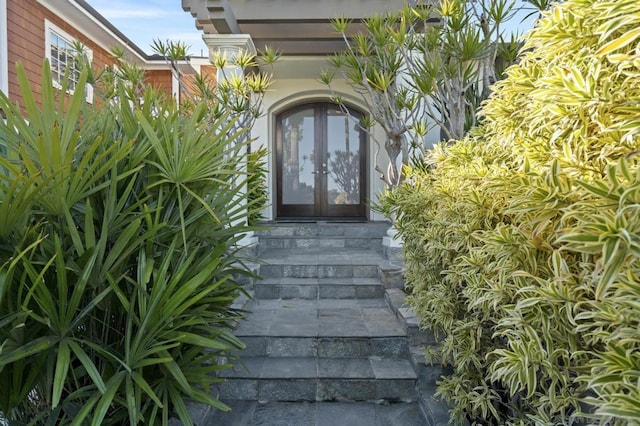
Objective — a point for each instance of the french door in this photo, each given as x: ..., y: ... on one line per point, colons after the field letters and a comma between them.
x: 321, y: 163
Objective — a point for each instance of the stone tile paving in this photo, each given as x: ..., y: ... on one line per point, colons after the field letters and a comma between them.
x: 322, y: 350
x: 323, y: 346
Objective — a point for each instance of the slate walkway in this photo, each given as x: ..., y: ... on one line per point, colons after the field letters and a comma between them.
x: 323, y: 346
x: 310, y: 330
x: 325, y: 338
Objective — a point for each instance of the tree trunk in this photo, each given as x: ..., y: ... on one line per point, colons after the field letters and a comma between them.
x: 393, y: 147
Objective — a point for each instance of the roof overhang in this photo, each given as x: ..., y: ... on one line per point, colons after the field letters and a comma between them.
x: 293, y: 27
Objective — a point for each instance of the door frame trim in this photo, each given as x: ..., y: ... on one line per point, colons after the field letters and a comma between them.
x: 314, y: 103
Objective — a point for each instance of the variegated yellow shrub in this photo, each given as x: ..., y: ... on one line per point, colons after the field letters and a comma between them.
x: 522, y: 242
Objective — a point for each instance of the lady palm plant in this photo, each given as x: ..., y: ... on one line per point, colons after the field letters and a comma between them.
x: 234, y: 98
x: 116, y: 255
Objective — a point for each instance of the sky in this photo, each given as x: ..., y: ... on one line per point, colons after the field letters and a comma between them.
x: 142, y: 21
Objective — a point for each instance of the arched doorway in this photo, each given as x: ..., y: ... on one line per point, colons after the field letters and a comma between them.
x: 321, y: 163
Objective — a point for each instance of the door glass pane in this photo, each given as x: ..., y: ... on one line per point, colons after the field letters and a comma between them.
x: 298, y: 158
x: 343, y: 158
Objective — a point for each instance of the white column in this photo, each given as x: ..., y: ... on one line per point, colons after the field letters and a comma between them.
x: 4, y: 49
x: 175, y: 86
x: 231, y: 45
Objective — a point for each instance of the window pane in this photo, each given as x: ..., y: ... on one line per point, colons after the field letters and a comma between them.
x: 343, y: 158
x: 298, y: 158
x: 63, y: 60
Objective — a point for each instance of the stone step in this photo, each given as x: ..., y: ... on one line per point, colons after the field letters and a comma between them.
x: 320, y: 318
x: 321, y: 379
x: 269, y: 243
x: 254, y: 413
x: 323, y: 263
x: 319, y: 288
x: 338, y: 270
x: 322, y: 235
x: 324, y: 229
x: 325, y: 347
x: 322, y: 328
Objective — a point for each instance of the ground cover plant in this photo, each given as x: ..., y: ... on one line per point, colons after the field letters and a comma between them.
x: 522, y: 240
x: 118, y: 264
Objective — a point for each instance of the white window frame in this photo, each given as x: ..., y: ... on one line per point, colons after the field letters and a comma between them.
x: 4, y: 50
x: 51, y: 28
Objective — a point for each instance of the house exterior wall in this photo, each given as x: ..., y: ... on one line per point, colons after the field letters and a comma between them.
x: 287, y: 93
x: 26, y: 43
x: 26, y: 38
x: 160, y: 79
x: 187, y: 83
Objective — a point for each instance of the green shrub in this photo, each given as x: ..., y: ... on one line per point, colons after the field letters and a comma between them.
x: 117, y: 257
x: 522, y: 241
x: 427, y: 65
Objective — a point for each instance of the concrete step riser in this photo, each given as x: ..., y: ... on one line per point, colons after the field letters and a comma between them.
x: 323, y: 291
x: 325, y: 347
x: 319, y: 271
x: 314, y: 389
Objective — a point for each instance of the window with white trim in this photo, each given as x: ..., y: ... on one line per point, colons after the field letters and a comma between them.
x: 62, y: 53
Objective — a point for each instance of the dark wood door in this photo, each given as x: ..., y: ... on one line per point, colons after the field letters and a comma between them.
x: 321, y: 167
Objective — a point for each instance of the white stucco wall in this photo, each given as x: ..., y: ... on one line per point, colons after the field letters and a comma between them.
x: 287, y: 92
